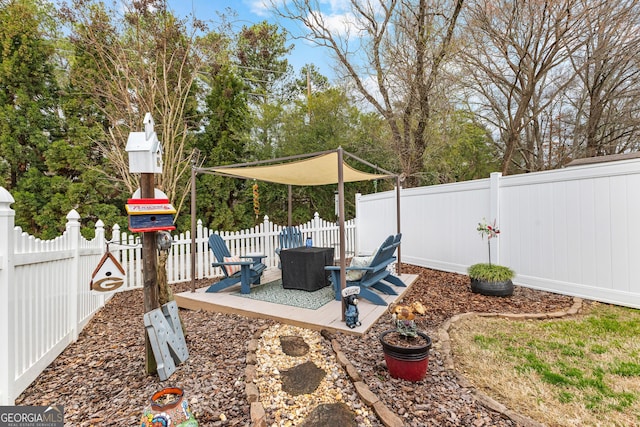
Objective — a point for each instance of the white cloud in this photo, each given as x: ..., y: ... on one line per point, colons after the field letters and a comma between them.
x: 339, y: 25
x: 339, y: 18
x: 259, y: 7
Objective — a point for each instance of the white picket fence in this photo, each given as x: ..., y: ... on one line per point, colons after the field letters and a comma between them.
x: 45, y: 298
x: 262, y: 238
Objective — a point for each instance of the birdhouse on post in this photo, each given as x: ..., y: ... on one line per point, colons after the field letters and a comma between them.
x: 108, y: 275
x: 145, y: 151
x: 150, y: 215
x: 145, y: 158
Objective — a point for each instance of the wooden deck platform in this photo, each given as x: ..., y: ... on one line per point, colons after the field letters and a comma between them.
x: 329, y: 316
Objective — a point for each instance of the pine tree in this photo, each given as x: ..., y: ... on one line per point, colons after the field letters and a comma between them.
x: 29, y: 118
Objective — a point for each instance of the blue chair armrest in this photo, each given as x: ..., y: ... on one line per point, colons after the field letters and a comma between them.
x: 337, y: 268
x: 255, y: 258
x: 222, y: 264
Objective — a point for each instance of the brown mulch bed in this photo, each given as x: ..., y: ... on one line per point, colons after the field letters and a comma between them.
x: 100, y: 379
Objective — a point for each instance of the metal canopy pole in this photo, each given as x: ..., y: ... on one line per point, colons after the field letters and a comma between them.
x: 193, y: 228
x: 398, y: 221
x: 343, y: 264
x: 290, y: 209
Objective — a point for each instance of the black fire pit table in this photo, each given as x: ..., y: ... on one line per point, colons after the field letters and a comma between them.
x: 303, y: 268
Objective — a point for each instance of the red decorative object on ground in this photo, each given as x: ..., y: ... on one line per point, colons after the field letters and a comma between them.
x: 406, y: 361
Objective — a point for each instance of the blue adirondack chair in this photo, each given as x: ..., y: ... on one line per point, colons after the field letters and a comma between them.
x: 290, y: 237
x: 374, y: 273
x: 251, y: 267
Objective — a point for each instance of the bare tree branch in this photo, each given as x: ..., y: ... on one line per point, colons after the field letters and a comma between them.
x: 393, y: 53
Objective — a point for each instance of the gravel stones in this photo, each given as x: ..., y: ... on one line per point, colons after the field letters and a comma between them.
x: 292, y: 387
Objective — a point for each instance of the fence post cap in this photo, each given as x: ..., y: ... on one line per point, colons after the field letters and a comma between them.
x: 73, y: 215
x: 5, y: 197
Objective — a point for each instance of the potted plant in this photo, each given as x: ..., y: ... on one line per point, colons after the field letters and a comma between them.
x: 490, y: 279
x: 405, y: 348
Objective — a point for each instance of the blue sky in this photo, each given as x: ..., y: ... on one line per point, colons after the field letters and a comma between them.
x: 253, y: 11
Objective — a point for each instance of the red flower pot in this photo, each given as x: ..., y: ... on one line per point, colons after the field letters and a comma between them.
x: 406, y: 362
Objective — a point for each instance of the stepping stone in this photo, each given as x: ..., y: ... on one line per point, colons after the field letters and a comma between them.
x: 294, y: 346
x: 331, y: 414
x: 302, y: 379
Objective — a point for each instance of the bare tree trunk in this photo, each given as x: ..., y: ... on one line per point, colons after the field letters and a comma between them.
x: 406, y: 48
x: 608, y: 70
x: 515, y: 51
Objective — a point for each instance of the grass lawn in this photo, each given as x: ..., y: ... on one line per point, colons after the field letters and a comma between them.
x: 579, y: 371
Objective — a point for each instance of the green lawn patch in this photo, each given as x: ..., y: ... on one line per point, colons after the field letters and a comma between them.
x: 590, y: 363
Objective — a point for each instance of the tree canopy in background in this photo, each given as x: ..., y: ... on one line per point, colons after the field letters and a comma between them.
x: 29, y: 91
x: 144, y: 60
x: 438, y: 90
x: 394, y: 57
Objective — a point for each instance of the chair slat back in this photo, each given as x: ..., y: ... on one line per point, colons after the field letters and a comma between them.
x: 382, y: 257
x: 290, y: 237
x: 218, y: 247
x: 386, y: 250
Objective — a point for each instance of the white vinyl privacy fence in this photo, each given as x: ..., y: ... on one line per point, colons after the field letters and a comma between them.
x: 45, y: 299
x: 574, y: 231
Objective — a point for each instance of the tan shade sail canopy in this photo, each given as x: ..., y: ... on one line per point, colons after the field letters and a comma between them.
x: 322, y: 168
x: 318, y: 170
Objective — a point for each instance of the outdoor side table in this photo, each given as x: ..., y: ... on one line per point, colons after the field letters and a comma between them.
x: 303, y: 268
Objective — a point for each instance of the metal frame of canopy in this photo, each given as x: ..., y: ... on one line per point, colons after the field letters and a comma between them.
x: 280, y: 171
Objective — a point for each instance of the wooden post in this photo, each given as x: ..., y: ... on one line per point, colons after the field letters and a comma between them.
x: 149, y: 272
